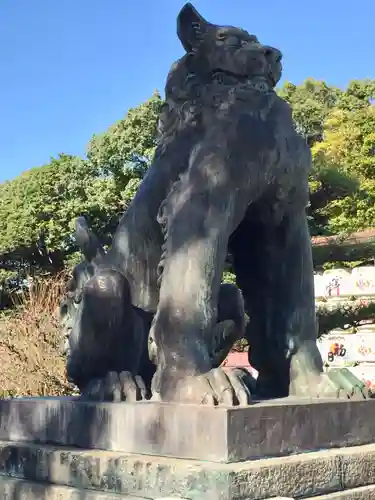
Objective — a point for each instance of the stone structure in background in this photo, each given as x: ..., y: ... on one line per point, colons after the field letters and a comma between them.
x: 230, y: 174
x: 341, y: 282
x: 352, y: 345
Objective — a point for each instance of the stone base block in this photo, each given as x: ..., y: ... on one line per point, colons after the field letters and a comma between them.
x: 286, y: 448
x: 19, y: 489
x: 223, y: 435
x: 297, y: 476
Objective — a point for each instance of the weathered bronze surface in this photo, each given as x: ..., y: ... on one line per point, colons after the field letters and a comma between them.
x: 230, y: 174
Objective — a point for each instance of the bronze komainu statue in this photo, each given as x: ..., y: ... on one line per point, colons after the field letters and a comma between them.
x: 230, y: 175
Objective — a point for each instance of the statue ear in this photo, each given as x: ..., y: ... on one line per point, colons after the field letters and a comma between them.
x: 87, y: 241
x: 190, y: 27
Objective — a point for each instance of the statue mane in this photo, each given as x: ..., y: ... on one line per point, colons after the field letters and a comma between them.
x: 189, y: 93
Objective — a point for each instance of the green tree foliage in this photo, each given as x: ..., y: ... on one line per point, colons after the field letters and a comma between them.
x: 125, y: 150
x: 311, y: 103
x: 39, y: 207
x: 122, y: 155
x: 37, y: 210
x: 339, y: 126
x: 349, y: 144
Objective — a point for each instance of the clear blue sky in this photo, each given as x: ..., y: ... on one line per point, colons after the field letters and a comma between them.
x: 70, y: 68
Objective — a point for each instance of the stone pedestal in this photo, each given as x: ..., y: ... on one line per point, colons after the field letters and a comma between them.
x: 284, y: 448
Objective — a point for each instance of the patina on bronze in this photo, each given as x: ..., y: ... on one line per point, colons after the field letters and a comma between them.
x: 230, y: 174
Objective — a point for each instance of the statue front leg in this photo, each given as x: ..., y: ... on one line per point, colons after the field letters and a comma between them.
x: 199, y: 215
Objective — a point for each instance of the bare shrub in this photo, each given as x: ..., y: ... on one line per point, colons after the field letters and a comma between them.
x: 31, y: 364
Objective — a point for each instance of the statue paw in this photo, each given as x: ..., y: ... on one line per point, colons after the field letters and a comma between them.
x: 341, y: 383
x: 217, y: 387
x: 116, y: 387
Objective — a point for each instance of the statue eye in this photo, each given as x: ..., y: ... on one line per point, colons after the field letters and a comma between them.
x: 233, y: 41
x: 221, y: 37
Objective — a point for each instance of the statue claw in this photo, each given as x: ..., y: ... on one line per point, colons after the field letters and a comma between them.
x: 216, y: 387
x: 116, y: 387
x: 337, y: 383
x: 344, y: 385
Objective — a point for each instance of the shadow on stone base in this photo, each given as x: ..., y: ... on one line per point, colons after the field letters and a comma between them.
x: 223, y: 435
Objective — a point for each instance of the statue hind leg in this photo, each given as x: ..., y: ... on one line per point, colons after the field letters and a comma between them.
x: 274, y: 270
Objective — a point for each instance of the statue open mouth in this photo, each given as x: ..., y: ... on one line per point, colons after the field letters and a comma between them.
x: 228, y: 77
x: 217, y: 73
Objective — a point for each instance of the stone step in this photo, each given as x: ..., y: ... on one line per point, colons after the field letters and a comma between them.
x: 296, y: 476
x: 19, y: 489
x: 363, y: 493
